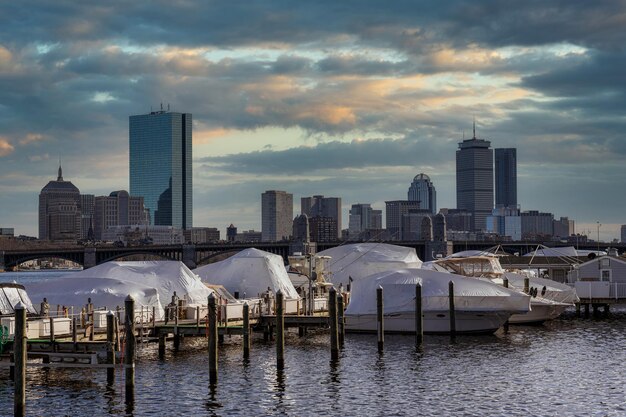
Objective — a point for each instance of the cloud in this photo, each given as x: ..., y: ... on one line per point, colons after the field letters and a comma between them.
x: 5, y: 147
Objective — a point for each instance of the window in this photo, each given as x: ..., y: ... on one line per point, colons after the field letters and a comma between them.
x: 605, y: 275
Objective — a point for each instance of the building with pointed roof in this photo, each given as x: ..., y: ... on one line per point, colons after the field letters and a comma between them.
x: 60, y: 210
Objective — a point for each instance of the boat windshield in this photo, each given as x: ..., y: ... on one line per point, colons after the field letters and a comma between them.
x: 474, y: 266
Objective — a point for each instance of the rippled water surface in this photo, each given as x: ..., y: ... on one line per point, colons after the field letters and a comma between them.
x: 568, y: 367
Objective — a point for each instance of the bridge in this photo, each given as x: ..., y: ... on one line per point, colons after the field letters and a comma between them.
x: 199, y: 254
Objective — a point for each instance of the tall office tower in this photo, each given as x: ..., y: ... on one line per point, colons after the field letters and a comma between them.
x: 474, y: 179
x: 320, y: 206
x: 506, y: 177
x: 423, y: 191
x: 276, y: 215
x: 87, y: 205
x: 623, y: 233
x: 231, y: 233
x: 59, y: 211
x: 393, y: 215
x: 117, y: 209
x: 301, y: 229
x: 161, y: 166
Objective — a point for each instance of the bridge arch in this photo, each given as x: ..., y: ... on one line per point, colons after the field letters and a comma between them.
x: 205, y: 260
x: 120, y: 255
x: 10, y: 262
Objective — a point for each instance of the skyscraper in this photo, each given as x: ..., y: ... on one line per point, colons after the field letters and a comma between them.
x: 320, y: 206
x: 423, y: 190
x: 60, y: 210
x: 276, y: 215
x: 161, y: 166
x: 474, y: 179
x: 506, y: 177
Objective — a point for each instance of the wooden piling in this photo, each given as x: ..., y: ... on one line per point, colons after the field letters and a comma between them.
x: 332, y: 316
x: 577, y: 309
x: 74, y: 334
x: 153, y: 319
x: 246, y: 331
x: 129, y: 351
x: 379, y: 318
x: 198, y: 316
x: 526, y: 285
x: 586, y: 310
x: 162, y: 345
x: 280, y: 331
x: 505, y: 282
x: 341, y: 320
x: 111, y: 348
x: 419, y: 318
x: 212, y: 314
x: 52, y: 334
x: 19, y: 357
x: 452, y: 310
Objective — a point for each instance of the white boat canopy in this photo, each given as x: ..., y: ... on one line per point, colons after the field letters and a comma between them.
x: 250, y: 272
x: 150, y: 283
x: 362, y: 259
x: 10, y: 295
x: 399, y: 293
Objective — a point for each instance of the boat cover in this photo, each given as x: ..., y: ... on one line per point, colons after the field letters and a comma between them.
x: 150, y: 283
x: 10, y: 295
x: 362, y: 259
x: 250, y: 272
x: 555, y: 291
x: 399, y: 293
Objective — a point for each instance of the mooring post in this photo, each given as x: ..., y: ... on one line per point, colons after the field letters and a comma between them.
x: 380, y: 318
x: 74, y: 333
x: 505, y: 284
x: 246, y: 331
x: 419, y: 319
x: 198, y: 317
x: 162, y: 345
x: 129, y: 354
x: 332, y: 316
x: 577, y: 309
x: 153, y: 320
x: 280, y: 331
x: 586, y: 310
x: 111, y: 348
x: 212, y: 314
x: 527, y: 285
x: 52, y: 344
x: 341, y: 319
x: 452, y: 310
x: 19, y: 358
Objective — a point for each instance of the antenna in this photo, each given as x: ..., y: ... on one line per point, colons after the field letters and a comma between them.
x: 474, y: 128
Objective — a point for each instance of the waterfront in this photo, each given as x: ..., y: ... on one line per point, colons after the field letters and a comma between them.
x: 568, y: 367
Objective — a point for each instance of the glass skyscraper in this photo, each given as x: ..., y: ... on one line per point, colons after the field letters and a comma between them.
x: 160, y: 166
x: 423, y: 190
x: 506, y: 177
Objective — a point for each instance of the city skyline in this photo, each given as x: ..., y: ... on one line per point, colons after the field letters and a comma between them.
x: 352, y: 103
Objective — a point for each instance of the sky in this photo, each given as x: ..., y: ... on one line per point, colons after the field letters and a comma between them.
x: 347, y: 99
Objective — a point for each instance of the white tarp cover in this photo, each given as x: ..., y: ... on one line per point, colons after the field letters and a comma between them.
x: 555, y: 291
x: 11, y: 295
x: 251, y: 271
x: 362, y: 259
x: 561, y: 251
x: 150, y: 283
x: 399, y: 293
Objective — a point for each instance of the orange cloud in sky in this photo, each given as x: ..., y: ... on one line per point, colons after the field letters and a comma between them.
x: 5, y: 147
x: 206, y: 136
x: 31, y: 137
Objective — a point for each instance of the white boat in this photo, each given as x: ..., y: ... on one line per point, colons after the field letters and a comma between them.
x: 549, y: 299
x: 480, y: 306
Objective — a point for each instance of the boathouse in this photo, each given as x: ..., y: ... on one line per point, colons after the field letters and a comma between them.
x: 602, y: 278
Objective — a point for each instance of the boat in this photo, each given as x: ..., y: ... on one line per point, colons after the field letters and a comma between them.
x: 352, y: 262
x: 549, y: 299
x: 11, y: 294
x: 480, y: 306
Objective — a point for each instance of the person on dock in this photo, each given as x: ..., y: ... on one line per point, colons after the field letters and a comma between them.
x: 44, y: 308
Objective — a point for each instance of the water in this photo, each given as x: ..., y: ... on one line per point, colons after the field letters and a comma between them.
x: 568, y: 367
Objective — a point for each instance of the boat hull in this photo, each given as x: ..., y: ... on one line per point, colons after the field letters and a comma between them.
x: 434, y: 322
x: 539, y: 313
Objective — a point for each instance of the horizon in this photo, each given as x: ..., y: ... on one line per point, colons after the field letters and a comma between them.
x: 349, y: 104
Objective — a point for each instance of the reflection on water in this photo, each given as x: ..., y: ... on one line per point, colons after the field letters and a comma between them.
x: 569, y: 367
